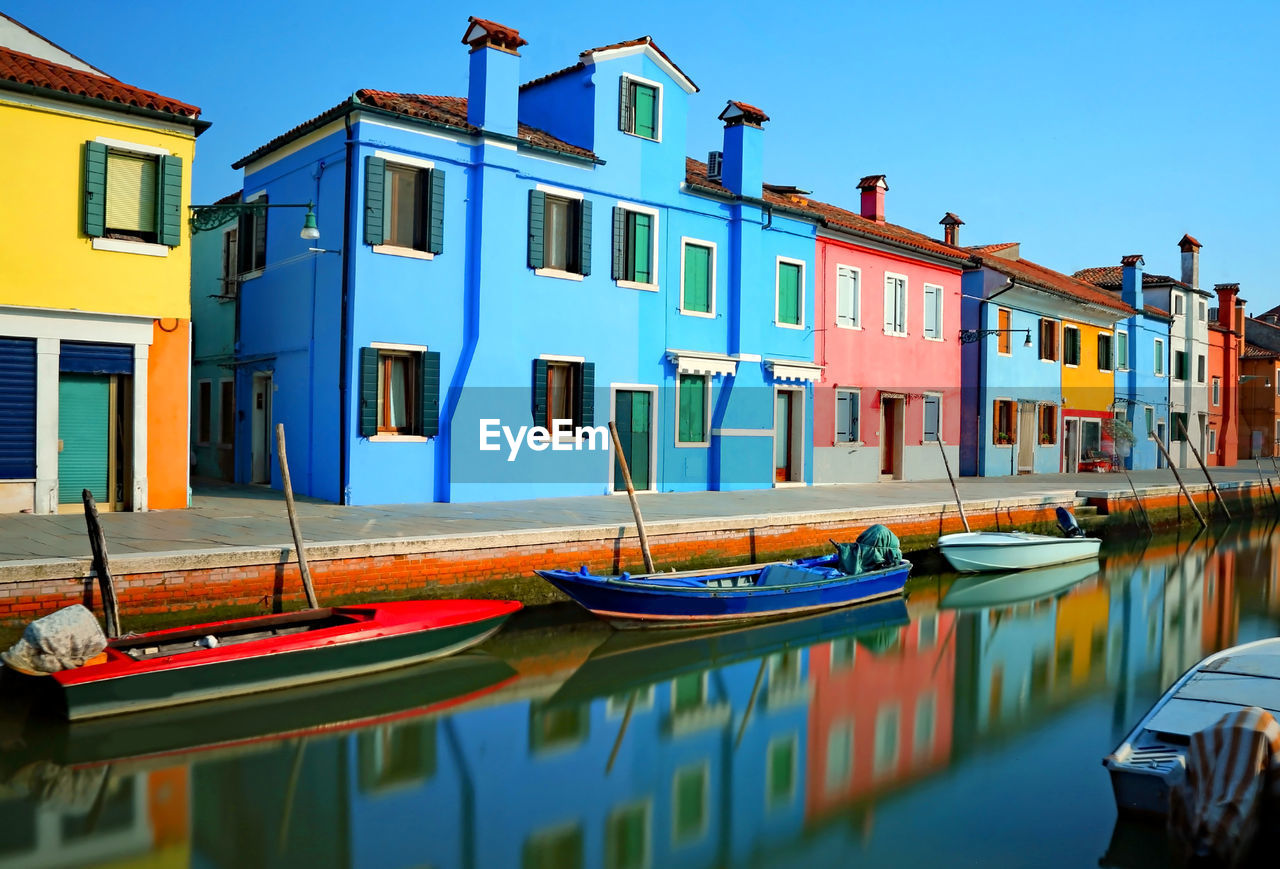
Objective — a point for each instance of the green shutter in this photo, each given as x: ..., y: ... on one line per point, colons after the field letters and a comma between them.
x: 645, y: 109
x: 624, y: 105
x: 692, y: 408
x: 642, y: 248
x: 95, y: 189
x: 789, y: 294
x: 619, y: 244
x: 169, y: 216
x: 435, y: 244
x: 368, y: 392
x: 697, y: 279
x: 430, y: 393
x: 584, y: 238
x: 539, y: 392
x: 537, y: 227
x: 375, y: 180
x: 587, y: 394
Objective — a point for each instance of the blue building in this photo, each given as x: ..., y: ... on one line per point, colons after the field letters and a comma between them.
x: 499, y: 276
x: 1012, y: 317
x: 213, y: 296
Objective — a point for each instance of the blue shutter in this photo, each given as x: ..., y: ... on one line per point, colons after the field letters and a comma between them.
x: 584, y: 238
x: 85, y: 358
x: 435, y: 240
x: 375, y: 172
x: 430, y: 393
x: 17, y: 408
x: 368, y: 392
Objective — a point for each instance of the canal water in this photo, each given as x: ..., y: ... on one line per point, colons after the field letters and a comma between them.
x: 963, y: 726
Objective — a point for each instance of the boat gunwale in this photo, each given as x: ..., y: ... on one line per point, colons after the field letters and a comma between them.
x: 616, y: 583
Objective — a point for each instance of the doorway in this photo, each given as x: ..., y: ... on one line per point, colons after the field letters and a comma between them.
x: 1160, y: 462
x: 891, y: 438
x: 1071, y: 446
x: 633, y: 414
x: 94, y: 439
x: 788, y: 436
x: 261, y: 436
x: 1026, y: 437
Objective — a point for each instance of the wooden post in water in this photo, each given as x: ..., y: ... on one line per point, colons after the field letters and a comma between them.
x: 631, y: 494
x: 1263, y: 480
x: 947, y: 464
x: 1169, y: 459
x: 98, y: 543
x: 293, y: 519
x: 1143, y: 507
x: 1204, y: 470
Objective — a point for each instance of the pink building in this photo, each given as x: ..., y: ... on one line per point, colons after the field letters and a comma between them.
x: 887, y: 337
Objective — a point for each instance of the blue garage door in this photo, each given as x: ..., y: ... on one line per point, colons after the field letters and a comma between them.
x: 17, y: 408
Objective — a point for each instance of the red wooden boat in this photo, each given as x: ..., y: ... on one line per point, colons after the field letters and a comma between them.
x: 265, y: 653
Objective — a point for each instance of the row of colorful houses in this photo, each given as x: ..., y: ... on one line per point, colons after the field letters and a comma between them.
x: 482, y: 283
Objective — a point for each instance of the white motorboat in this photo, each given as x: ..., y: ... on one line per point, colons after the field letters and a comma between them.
x: 1152, y: 757
x: 1007, y: 589
x: 981, y: 551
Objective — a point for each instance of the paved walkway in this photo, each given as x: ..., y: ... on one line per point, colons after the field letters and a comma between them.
x: 225, y: 516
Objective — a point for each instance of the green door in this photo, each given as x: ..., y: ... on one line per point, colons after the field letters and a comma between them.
x: 84, y: 430
x: 631, y: 413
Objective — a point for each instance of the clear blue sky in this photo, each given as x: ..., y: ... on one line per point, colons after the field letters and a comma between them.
x: 1086, y: 131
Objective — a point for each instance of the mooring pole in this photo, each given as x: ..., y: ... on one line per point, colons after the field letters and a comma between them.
x: 631, y: 494
x: 1169, y: 459
x: 1212, y: 485
x: 1264, y: 481
x: 1138, y: 498
x: 293, y: 519
x: 98, y: 543
x: 947, y: 464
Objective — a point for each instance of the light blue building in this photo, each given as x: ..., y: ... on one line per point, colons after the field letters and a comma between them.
x: 531, y: 257
x: 213, y: 307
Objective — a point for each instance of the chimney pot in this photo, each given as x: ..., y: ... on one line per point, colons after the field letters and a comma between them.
x: 1190, y: 261
x: 873, y: 189
x: 742, y: 166
x: 951, y: 228
x: 493, y: 83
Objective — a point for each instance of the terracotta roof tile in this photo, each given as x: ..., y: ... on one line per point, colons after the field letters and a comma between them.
x: 1027, y: 272
x: 24, y: 69
x: 442, y: 110
x: 1188, y: 241
x: 749, y: 113
x: 553, y: 75
x: 992, y: 248
x: 1111, y: 277
x: 500, y: 34
x: 832, y: 216
x: 1253, y: 351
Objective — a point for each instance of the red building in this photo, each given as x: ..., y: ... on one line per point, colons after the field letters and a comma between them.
x: 1226, y: 344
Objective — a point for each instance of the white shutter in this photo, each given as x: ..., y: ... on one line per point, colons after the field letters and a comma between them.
x: 931, y: 417
x: 890, y: 305
x: 842, y: 417
x: 931, y: 312
x: 846, y: 296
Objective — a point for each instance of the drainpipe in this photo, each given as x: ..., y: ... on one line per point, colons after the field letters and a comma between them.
x: 344, y: 352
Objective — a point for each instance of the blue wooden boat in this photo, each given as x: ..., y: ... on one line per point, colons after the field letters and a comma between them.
x: 726, y: 594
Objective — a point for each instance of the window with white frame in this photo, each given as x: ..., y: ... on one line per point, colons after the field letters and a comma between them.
x: 640, y: 107
x: 933, y: 312
x: 1149, y: 417
x: 895, y: 304
x: 1200, y: 368
x: 790, y: 293
x: 1159, y: 363
x: 1122, y: 351
x: 1177, y: 303
x: 692, y: 399
x: 1104, y: 352
x: 1070, y: 346
x: 1217, y: 390
x: 1213, y: 440
x: 635, y: 245
x: 932, y: 417
x: 848, y: 413
x: 848, y: 297
x: 251, y: 240
x: 1201, y: 312
x: 698, y: 278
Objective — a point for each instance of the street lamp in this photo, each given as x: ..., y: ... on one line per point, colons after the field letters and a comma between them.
x: 969, y: 336
x: 206, y: 217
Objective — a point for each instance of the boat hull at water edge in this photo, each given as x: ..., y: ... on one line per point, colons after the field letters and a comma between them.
x: 354, y: 641
x: 660, y: 601
x: 982, y: 551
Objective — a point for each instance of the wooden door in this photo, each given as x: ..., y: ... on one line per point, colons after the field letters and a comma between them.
x: 262, y: 438
x: 632, y: 414
x: 84, y: 438
x: 1026, y: 438
x: 890, y: 436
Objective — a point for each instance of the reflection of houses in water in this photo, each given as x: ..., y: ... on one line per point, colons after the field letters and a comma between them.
x: 1221, y: 607
x: 1135, y: 634
x: 1183, y: 631
x: 881, y: 712
x: 96, y: 816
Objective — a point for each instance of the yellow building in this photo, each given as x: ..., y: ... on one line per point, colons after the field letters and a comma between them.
x: 1088, y: 389
x: 95, y: 267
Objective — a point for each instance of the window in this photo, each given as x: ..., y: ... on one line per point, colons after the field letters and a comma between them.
x: 1177, y: 303
x: 839, y: 757
x: 1179, y: 423
x: 933, y: 312
x: 563, y: 390
x: 1002, y: 427
x: 640, y: 108
x: 560, y: 848
x: 252, y: 237
x: 204, y: 407
x: 688, y: 692
x: 635, y: 251
x: 922, y: 736
x: 1159, y: 364
x: 790, y: 293
x: 1200, y: 368
x: 1202, y: 315
x: 227, y: 412
x: 886, y: 739
x: 627, y: 838
x: 781, y: 771
x: 132, y: 193
x: 559, y: 233
x: 1217, y: 391
x: 692, y: 397
x: 1049, y: 340
x: 399, y: 392
x: 1179, y: 365
x: 1213, y: 440
x: 1122, y: 351
x: 698, y: 279
x: 230, y: 263
x: 1004, y: 338
x: 927, y: 632
x: 1149, y: 417
x: 689, y: 805
x: 1047, y: 424
x: 1070, y: 345
x: 848, y: 297
x: 404, y: 205
x: 932, y: 417
x: 848, y: 414
x: 1104, y: 352
x: 895, y: 305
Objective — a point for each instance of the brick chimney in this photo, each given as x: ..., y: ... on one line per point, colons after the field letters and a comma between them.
x: 1131, y: 280
x: 873, y: 189
x: 950, y: 225
x: 1190, y: 261
x: 493, y: 84
x: 742, y: 169
x: 1227, y: 294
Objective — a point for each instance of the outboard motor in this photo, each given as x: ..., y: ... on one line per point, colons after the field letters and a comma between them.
x: 1067, y: 523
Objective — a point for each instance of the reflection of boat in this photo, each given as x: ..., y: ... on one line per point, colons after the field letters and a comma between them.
x: 718, y: 595
x: 239, y: 722
x: 1006, y: 589
x: 266, y: 653
x: 978, y: 551
x: 630, y: 661
x: 1145, y: 764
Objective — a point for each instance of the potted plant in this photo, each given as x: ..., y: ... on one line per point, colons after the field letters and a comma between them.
x: 1002, y: 438
x: 1046, y: 439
